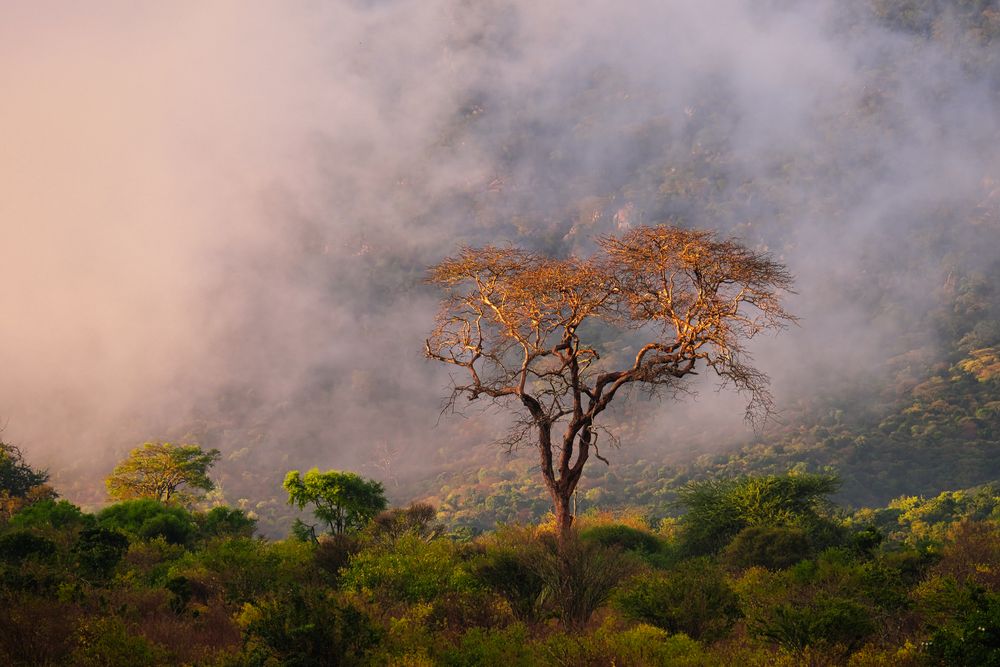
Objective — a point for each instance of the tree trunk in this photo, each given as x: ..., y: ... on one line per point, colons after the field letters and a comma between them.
x: 564, y: 517
x: 560, y: 489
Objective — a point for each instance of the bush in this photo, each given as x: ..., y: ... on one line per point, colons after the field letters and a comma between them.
x: 972, y: 639
x: 35, y: 630
x: 579, y: 577
x: 411, y: 570
x: 225, y: 522
x: 149, y: 519
x: 108, y: 643
x: 694, y: 599
x: 774, y: 548
x: 21, y: 545
x: 837, y: 625
x: 491, y: 648
x: 508, y: 567
x: 99, y: 550
x: 246, y: 568
x: 51, y: 514
x: 636, y: 647
x: 306, y: 627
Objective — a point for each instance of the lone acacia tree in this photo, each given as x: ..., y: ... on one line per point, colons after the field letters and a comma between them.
x: 519, y: 324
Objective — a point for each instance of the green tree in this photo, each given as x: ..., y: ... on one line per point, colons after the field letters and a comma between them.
x: 343, y: 501
x: 17, y: 478
x: 163, y: 471
x: 20, y: 484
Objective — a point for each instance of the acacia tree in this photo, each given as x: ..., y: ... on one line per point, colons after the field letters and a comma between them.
x: 519, y: 324
x: 344, y: 501
x: 159, y: 470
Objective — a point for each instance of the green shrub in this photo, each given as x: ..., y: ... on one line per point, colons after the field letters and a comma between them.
x: 972, y: 638
x: 58, y: 515
x: 838, y: 625
x: 772, y: 547
x: 410, y: 570
x: 693, y: 598
x: 578, y: 577
x: 21, y: 545
x: 624, y: 537
x: 509, y: 567
x: 479, y: 647
x: 149, y: 519
x: 304, y: 627
x: 99, y: 550
x: 225, y: 522
x: 107, y: 642
x: 640, y: 646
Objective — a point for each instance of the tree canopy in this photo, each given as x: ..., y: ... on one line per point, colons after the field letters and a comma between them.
x: 343, y: 501
x: 519, y: 325
x: 17, y: 478
x: 163, y: 471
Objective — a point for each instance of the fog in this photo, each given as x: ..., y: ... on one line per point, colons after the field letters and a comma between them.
x: 215, y: 218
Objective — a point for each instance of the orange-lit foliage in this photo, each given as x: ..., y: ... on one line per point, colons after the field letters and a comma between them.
x: 525, y: 327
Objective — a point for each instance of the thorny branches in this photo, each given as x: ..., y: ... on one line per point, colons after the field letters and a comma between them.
x: 512, y: 322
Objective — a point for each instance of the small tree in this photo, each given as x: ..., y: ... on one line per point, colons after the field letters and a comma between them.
x: 527, y: 332
x: 342, y: 500
x: 163, y: 471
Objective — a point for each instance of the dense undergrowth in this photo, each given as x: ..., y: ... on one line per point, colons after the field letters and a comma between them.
x: 757, y: 571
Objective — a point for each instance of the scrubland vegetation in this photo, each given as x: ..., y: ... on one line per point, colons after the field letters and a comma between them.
x: 755, y: 571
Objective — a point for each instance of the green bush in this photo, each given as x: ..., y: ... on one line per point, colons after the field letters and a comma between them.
x: 21, y: 545
x: 640, y: 646
x: 51, y: 514
x: 107, y: 642
x: 693, y: 598
x: 624, y: 537
x: 838, y: 625
x: 99, y: 550
x: 410, y: 570
x: 479, y: 647
x: 579, y: 577
x: 305, y: 627
x: 149, y: 519
x: 772, y: 547
x: 972, y: 638
x: 225, y: 522
x: 509, y: 567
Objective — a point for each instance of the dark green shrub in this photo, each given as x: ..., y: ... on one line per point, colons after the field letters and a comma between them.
x: 624, y: 537
x: 508, y: 567
x: 838, y: 625
x: 693, y: 598
x: 972, y: 639
x: 99, y: 550
x: 225, y: 522
x: 578, y: 577
x: 49, y: 513
x: 774, y: 548
x: 304, y: 628
x: 149, y: 519
x: 21, y: 545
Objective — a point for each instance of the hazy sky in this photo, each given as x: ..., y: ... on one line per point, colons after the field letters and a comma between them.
x: 220, y: 212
